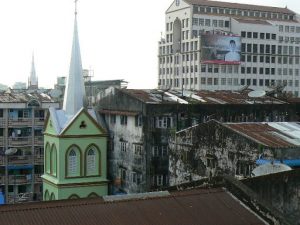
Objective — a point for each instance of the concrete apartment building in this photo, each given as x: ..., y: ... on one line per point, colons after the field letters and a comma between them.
x: 22, y: 114
x: 212, y: 45
x: 21, y: 143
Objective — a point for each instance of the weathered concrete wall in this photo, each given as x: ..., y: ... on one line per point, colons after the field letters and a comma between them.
x: 211, y: 149
x: 281, y: 190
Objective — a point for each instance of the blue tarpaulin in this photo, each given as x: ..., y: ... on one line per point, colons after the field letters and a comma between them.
x: 289, y: 162
x: 19, y: 167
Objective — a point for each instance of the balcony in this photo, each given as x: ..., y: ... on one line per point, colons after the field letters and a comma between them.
x: 37, y: 178
x: 19, y: 141
x: 39, y: 159
x: 38, y: 140
x: 1, y: 141
x: 20, y: 197
x: 2, y: 122
x: 39, y: 121
x: 19, y: 179
x: 2, y: 179
x: 20, y: 159
x: 19, y: 122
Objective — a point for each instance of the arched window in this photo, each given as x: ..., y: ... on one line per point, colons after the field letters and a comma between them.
x: 91, y: 162
x: 47, y: 159
x: 73, y: 196
x: 53, y: 160
x: 46, y: 196
x: 72, y: 163
x: 52, y: 197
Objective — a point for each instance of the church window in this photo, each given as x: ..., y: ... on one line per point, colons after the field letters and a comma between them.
x: 52, y: 197
x: 53, y: 160
x: 91, y: 161
x: 72, y: 163
x: 46, y: 196
x: 47, y: 164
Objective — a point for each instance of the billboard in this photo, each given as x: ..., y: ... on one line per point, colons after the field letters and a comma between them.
x: 220, y: 49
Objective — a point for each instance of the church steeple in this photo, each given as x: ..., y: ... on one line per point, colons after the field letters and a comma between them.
x: 75, y: 98
x: 33, y: 80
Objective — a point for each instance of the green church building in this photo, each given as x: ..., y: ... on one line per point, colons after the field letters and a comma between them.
x: 74, y: 141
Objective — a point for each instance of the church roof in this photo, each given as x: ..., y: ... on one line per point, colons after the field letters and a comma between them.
x: 61, y: 120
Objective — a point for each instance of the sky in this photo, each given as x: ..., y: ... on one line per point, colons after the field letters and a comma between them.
x: 118, y: 39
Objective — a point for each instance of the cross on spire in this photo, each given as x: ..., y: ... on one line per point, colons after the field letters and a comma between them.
x: 75, y: 7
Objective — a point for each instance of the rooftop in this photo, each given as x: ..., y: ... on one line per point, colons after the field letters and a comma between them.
x: 157, y: 96
x: 197, y: 206
x: 271, y: 134
x: 24, y: 96
x: 240, y: 6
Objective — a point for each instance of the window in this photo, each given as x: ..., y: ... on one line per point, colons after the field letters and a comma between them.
x: 112, y: 119
x: 123, y: 146
x: 138, y: 120
x: 138, y: 149
x: 91, y: 162
x: 123, y: 120
x: 163, y: 122
x: 53, y: 160
x: 72, y: 163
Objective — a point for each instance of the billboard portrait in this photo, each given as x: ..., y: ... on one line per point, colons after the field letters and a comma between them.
x: 220, y: 49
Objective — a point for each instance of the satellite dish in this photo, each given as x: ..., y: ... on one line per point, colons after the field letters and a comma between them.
x: 55, y: 93
x: 11, y: 151
x: 256, y: 94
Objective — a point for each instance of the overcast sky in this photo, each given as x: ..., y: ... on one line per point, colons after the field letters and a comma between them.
x: 118, y: 39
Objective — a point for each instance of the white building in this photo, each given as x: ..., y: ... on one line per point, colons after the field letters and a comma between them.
x: 215, y: 45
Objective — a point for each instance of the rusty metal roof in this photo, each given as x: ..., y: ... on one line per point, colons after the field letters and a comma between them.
x: 198, y: 206
x: 273, y: 134
x: 240, y: 6
x: 156, y: 96
x: 24, y: 96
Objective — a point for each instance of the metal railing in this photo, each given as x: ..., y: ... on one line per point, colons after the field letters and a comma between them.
x: 19, y: 141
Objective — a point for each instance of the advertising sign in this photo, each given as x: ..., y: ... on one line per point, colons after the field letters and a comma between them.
x: 220, y: 49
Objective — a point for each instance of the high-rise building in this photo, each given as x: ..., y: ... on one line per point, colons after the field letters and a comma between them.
x: 213, y: 45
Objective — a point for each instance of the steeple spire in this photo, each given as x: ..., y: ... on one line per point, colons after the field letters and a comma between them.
x: 74, y: 98
x: 33, y: 81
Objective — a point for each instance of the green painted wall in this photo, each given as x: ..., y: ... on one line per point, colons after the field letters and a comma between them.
x: 82, y: 138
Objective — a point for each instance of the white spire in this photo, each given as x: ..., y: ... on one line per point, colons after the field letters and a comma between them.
x: 33, y: 81
x: 74, y: 98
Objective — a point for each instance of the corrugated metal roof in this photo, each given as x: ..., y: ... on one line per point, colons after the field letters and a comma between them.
x: 23, y: 96
x: 271, y: 134
x: 199, y: 97
x: 240, y: 6
x: 199, y: 206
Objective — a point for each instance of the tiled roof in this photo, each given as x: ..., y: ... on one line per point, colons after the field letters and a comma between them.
x: 240, y: 6
x: 273, y: 134
x: 199, y: 206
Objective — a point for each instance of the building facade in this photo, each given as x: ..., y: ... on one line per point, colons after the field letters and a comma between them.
x: 22, y: 115
x: 212, y: 45
x: 234, y: 149
x: 141, y: 122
